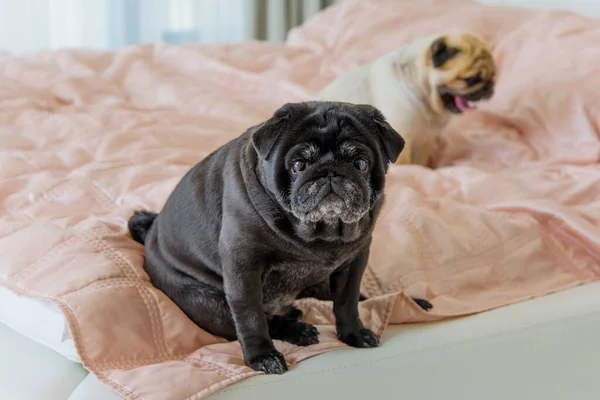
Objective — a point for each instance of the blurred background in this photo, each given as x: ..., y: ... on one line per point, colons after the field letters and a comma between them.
x: 27, y: 25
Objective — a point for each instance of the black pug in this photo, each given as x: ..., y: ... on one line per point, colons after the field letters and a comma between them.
x: 288, y: 205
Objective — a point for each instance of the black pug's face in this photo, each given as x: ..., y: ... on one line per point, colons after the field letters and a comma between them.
x: 325, y: 164
x: 330, y: 178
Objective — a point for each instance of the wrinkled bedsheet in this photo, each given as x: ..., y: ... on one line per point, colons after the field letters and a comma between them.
x: 512, y: 213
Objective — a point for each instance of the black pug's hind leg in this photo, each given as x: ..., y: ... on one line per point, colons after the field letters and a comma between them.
x: 293, y: 314
x: 206, y: 308
x: 291, y: 330
x: 319, y: 291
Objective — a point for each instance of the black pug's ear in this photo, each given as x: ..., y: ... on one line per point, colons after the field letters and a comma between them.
x: 390, y: 141
x: 266, y: 134
x: 440, y: 52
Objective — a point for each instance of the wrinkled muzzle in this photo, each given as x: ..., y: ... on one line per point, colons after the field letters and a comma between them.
x: 331, y: 198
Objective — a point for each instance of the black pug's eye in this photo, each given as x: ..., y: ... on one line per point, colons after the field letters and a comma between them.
x: 361, y: 164
x: 298, y: 166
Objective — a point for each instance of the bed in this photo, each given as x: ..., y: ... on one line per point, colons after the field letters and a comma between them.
x: 538, y: 349
x: 531, y: 348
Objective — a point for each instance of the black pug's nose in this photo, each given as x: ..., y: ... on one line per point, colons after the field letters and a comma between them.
x: 338, y: 185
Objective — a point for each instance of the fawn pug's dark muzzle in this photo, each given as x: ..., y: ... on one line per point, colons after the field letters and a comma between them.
x: 459, y: 101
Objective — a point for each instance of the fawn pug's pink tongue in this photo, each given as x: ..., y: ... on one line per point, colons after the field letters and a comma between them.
x: 463, y: 105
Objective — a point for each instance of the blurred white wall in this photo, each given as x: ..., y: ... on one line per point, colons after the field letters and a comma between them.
x: 27, y: 25
x: 31, y: 24
x: 588, y: 8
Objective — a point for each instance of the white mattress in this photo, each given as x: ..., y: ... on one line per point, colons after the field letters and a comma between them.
x: 540, y: 349
x: 544, y: 348
x: 31, y: 371
x: 38, y: 320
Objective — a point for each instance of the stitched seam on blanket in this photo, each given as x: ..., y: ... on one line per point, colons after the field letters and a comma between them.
x: 232, y: 376
x: 74, y: 329
x: 119, y: 388
x: 371, y: 283
x: 50, y: 255
x: 106, y: 283
x: 212, y: 366
x: 157, y: 327
x: 136, y: 362
x: 560, y: 253
x: 65, y: 309
x: 77, y: 337
x: 109, y: 252
x: 100, y: 194
x: 143, y: 288
x: 386, y: 316
x: 44, y: 197
x: 560, y: 257
x: 150, y: 303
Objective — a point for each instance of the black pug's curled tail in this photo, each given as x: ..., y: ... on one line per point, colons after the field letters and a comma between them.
x: 139, y: 224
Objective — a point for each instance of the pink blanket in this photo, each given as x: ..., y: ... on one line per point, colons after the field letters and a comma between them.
x: 87, y: 137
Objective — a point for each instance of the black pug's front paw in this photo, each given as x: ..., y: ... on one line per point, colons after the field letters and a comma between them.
x: 293, y: 314
x: 294, y: 332
x: 301, y: 334
x: 270, y: 363
x: 364, y: 338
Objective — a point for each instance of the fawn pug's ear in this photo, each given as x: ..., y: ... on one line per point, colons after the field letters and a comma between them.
x: 441, y: 52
